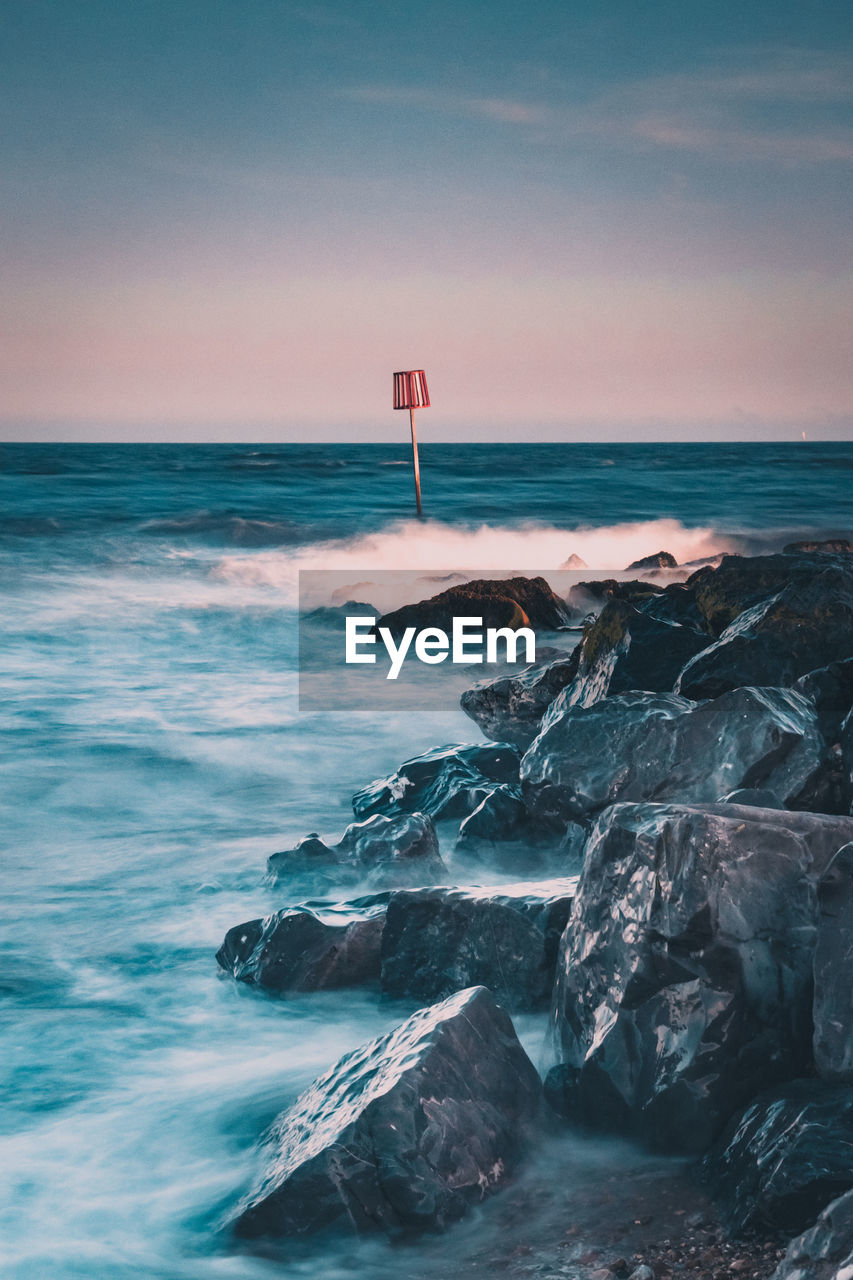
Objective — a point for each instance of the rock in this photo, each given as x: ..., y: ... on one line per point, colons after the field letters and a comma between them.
x: 447, y: 782
x: 831, y: 690
x: 782, y: 1161
x: 658, y: 746
x: 642, y: 1272
x: 510, y: 708
x: 402, y: 849
x: 839, y: 546
x: 298, y: 950
x: 500, y: 815
x: 846, y: 745
x: 721, y: 594
x: 624, y: 649
x: 403, y: 1134
x: 754, y: 797
x: 833, y: 971
x: 660, y: 560
x: 437, y: 941
x: 574, y: 562
x: 684, y: 983
x: 825, y: 1251
x: 594, y: 594
x: 503, y: 602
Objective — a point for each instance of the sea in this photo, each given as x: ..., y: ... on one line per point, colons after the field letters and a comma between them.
x: 154, y: 754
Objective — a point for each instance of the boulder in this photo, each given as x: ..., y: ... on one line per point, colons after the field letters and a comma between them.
x: 660, y: 560
x: 437, y: 941
x: 502, y: 602
x: 833, y: 971
x: 510, y: 708
x: 784, y: 1159
x: 754, y: 797
x: 825, y: 1251
x: 500, y: 815
x: 446, y: 782
x: 397, y: 850
x: 831, y: 690
x: 684, y: 982
x: 299, y: 950
x: 624, y: 649
x: 658, y: 746
x: 721, y: 594
x: 592, y: 595
x: 804, y: 626
x: 846, y: 746
x: 838, y: 546
x: 403, y: 1134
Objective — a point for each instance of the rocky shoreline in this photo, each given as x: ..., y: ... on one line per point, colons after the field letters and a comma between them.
x: 686, y: 776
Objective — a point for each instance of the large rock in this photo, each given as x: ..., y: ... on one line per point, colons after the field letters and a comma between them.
x: 500, y: 815
x: 831, y: 690
x: 785, y: 1158
x: 625, y: 649
x: 398, y: 850
x: 447, y: 782
x: 300, y: 949
x: 841, y: 546
x: 404, y: 1133
x: 684, y: 983
x: 739, y: 582
x: 660, y: 560
x: 510, y: 708
x: 502, y: 602
x: 825, y: 1251
x: 833, y: 971
x: 647, y: 746
x: 806, y: 625
x: 437, y: 941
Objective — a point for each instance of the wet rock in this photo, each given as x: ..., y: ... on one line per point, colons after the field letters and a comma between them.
x: 657, y: 746
x: 624, y: 649
x: 831, y: 690
x: 504, y: 602
x: 779, y: 639
x: 402, y: 849
x: 782, y: 1161
x: 754, y: 797
x: 437, y: 941
x: 841, y: 546
x: 500, y: 815
x: 684, y: 983
x: 299, y: 950
x: 660, y: 560
x: 825, y: 1251
x: 447, y: 782
x: 594, y: 594
x: 510, y: 708
x: 721, y: 594
x: 833, y: 971
x: 403, y: 1134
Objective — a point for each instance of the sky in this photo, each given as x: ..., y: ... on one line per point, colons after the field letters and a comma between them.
x: 234, y: 219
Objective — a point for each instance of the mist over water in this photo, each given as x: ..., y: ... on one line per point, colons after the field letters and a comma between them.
x: 153, y: 757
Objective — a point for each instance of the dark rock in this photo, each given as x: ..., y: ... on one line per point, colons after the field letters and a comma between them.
x: 660, y: 560
x: 754, y: 797
x: 833, y: 971
x: 657, y: 746
x: 684, y: 983
x: 437, y: 941
x: 783, y: 1160
x: 447, y: 782
x: 510, y: 708
x: 584, y: 596
x: 500, y: 815
x: 839, y: 546
x: 503, y: 602
x: 721, y: 594
x: 403, y: 1134
x: 777, y: 640
x: 624, y: 649
x: 297, y: 950
x: 831, y: 690
x: 825, y: 1251
x: 402, y: 849
x: 846, y: 745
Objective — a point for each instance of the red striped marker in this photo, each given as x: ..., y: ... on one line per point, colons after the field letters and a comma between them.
x: 410, y: 392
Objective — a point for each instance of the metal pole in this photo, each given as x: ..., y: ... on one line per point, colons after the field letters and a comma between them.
x: 415, y: 458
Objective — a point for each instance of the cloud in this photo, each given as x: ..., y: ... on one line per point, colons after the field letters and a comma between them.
x: 504, y: 110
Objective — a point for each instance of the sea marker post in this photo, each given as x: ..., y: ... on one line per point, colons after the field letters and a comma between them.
x: 410, y: 392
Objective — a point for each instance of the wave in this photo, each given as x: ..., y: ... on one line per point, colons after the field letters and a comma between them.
x: 227, y: 527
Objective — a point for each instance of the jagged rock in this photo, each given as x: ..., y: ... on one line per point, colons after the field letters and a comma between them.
x: 404, y: 1133
x: 684, y: 983
x: 500, y: 815
x: 838, y: 546
x: 624, y: 649
x: 447, y: 782
x: 437, y: 941
x: 574, y: 562
x: 585, y: 596
x: 831, y: 690
x: 846, y: 745
x: 301, y: 949
x: 721, y: 594
x: 754, y: 797
x: 402, y: 849
x: 825, y: 1251
x: 660, y: 560
x: 833, y: 971
x: 657, y: 746
x: 503, y: 602
x: 777, y: 640
x: 510, y: 708
x: 782, y: 1161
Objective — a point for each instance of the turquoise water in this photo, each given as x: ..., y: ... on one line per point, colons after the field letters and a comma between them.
x: 153, y: 756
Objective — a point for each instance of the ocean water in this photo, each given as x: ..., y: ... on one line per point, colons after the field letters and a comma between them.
x: 153, y: 756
